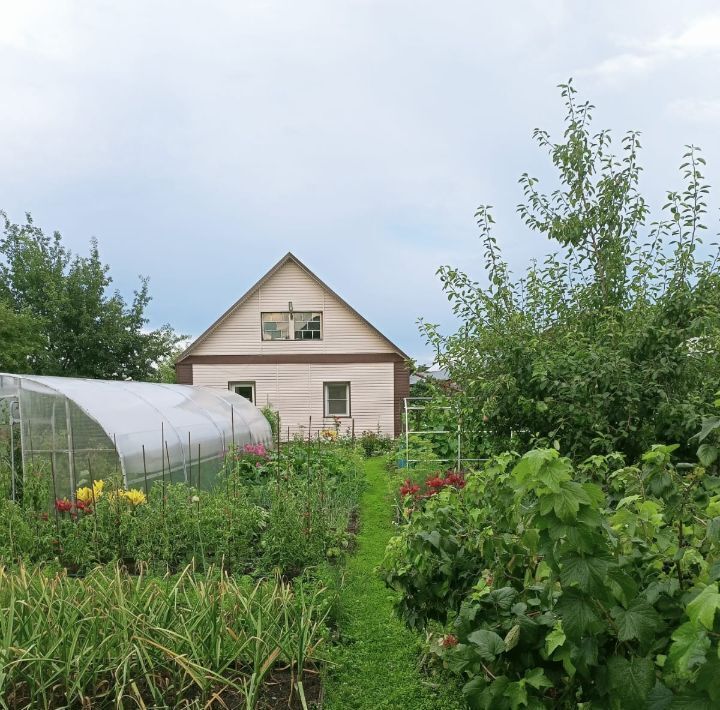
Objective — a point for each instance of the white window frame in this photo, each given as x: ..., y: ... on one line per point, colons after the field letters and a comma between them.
x: 326, y: 400
x: 312, y: 314
x: 291, y: 325
x: 243, y: 383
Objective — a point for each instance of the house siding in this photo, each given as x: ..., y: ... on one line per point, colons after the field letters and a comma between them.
x: 240, y: 332
x: 296, y: 391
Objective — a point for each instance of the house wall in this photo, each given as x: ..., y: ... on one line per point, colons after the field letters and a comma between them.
x: 342, y: 330
x: 296, y: 391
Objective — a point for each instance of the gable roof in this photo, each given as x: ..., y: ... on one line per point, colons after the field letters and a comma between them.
x: 288, y: 258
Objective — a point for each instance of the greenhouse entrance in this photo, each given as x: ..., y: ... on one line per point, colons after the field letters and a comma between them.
x: 10, y: 441
x: 74, y: 431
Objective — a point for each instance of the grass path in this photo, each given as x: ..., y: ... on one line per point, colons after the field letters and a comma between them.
x: 376, y: 667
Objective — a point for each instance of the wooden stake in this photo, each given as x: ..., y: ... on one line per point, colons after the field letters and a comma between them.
x: 145, y: 470
x: 188, y: 468
x: 57, y: 519
x: 162, y: 458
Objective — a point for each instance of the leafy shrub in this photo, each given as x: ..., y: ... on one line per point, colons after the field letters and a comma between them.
x: 609, y: 344
x: 273, y: 419
x: 548, y: 592
x: 375, y: 444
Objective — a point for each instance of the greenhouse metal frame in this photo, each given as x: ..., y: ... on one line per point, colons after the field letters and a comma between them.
x: 80, y: 430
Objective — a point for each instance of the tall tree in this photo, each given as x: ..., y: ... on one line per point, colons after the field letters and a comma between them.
x: 66, y: 319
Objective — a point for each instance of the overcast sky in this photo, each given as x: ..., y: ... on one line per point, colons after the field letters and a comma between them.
x: 200, y: 141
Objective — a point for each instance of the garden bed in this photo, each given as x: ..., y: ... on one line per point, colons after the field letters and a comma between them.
x: 177, y: 595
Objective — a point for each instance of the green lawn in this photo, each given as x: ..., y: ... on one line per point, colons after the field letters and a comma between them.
x: 377, y: 665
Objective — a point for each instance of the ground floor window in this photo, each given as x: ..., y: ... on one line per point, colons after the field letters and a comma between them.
x: 244, y: 389
x: 337, y: 399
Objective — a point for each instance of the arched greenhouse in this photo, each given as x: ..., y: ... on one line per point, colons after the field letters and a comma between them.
x: 80, y: 430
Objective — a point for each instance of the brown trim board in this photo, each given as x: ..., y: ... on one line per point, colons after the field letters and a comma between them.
x: 401, y: 387
x: 183, y: 373
x: 287, y: 358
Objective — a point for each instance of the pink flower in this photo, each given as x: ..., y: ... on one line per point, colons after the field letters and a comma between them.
x: 255, y: 450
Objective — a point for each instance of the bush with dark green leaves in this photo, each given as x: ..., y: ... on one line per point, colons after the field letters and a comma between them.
x: 542, y: 588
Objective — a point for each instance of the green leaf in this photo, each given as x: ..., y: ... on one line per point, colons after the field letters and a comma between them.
x: 689, y: 647
x: 517, y: 694
x: 713, y: 530
x: 660, y: 697
x: 707, y: 454
x: 552, y: 474
x: 554, y: 639
x: 693, y: 701
x: 503, y: 598
x: 432, y: 537
x: 631, y: 681
x: 488, y: 644
x: 526, y: 470
x: 588, y: 573
x: 639, y: 621
x: 622, y: 585
x: 473, y: 689
x: 595, y: 494
x: 537, y: 679
x: 709, y: 425
x: 577, y: 613
x: 702, y: 609
x: 708, y: 678
x: 566, y: 502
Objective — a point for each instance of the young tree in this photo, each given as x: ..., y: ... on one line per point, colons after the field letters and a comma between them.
x: 612, y: 341
x: 72, y: 324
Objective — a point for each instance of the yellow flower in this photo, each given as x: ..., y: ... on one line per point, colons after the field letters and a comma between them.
x: 88, y: 495
x: 84, y: 494
x: 135, y: 496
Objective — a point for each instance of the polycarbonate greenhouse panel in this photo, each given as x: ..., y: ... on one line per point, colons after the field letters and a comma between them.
x: 87, y: 429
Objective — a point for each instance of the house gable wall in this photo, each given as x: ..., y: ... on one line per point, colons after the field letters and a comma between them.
x: 240, y: 332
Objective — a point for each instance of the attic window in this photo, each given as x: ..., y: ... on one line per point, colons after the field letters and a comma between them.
x: 306, y: 325
x: 276, y: 326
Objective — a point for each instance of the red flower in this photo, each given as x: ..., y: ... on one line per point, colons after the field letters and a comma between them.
x: 455, y: 479
x: 435, y: 482
x: 409, y: 488
x: 63, y: 505
x: 83, y: 507
x: 449, y: 641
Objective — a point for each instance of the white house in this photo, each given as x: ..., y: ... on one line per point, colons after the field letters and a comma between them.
x: 293, y: 344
